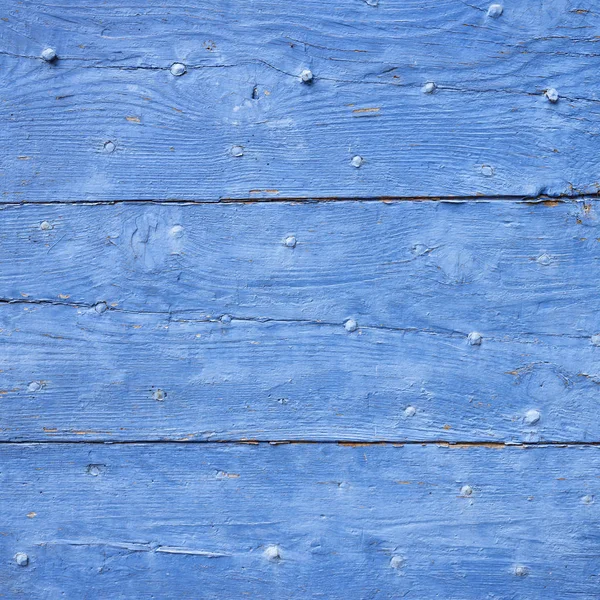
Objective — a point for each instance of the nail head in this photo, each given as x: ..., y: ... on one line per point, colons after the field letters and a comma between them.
x: 552, y: 95
x: 34, y: 386
x: 521, y: 571
x: 21, y: 559
x: 101, y: 307
x: 475, y: 338
x: 178, y: 69
x: 351, y: 325
x: 159, y: 395
x: 109, y: 147
x: 272, y: 553
x: 429, y: 88
x: 45, y: 226
x: 410, y: 411
x: 306, y: 76
x: 357, y: 161
x: 466, y: 490
x: 49, y: 54
x: 397, y: 562
x: 532, y: 416
x: 290, y: 241
x: 495, y: 10
x: 237, y: 151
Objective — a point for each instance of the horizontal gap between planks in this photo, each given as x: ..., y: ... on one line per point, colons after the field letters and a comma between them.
x: 539, y: 199
x: 349, y: 443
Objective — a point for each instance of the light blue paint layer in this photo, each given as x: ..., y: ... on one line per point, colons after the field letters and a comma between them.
x: 299, y: 521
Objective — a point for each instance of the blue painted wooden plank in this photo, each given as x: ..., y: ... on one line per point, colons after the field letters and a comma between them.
x: 96, y: 129
x: 298, y: 521
x: 71, y: 373
x: 503, y: 269
x: 526, y: 48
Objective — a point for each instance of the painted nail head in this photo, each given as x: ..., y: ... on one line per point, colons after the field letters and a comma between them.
x: 495, y: 10
x: 350, y: 325
x: 532, y: 416
x: 178, y: 69
x: 552, y: 95
x: 21, y: 559
x: 306, y: 76
x: 49, y: 54
x: 272, y: 553
x: 474, y: 338
x: 357, y: 161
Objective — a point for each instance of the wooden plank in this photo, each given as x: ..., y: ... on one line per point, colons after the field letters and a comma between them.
x: 299, y: 521
x: 488, y: 129
x: 526, y: 48
x: 71, y: 373
x: 499, y: 268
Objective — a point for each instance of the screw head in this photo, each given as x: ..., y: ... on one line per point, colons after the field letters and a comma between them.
x: 109, y: 147
x: 159, y: 395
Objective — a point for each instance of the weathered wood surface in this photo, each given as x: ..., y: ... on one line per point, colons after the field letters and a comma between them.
x: 487, y: 129
x: 246, y: 336
x: 158, y: 334
x: 190, y: 521
x: 71, y: 373
x: 501, y: 268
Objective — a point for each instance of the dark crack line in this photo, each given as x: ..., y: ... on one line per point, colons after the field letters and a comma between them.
x: 178, y: 316
x: 343, y: 443
x: 482, y: 199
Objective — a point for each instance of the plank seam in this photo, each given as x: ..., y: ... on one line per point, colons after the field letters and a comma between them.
x: 516, y: 199
x: 355, y: 443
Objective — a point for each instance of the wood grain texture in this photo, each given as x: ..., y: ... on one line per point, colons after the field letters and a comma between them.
x: 70, y: 373
x: 488, y: 128
x: 188, y: 521
x: 500, y: 268
x: 242, y: 336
